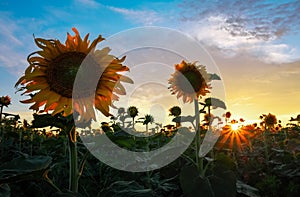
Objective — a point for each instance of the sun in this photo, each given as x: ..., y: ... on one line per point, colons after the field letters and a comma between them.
x: 235, y: 136
x: 235, y: 127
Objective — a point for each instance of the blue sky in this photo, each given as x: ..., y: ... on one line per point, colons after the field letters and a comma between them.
x: 256, y: 44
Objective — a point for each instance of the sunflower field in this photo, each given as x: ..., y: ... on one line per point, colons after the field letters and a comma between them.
x: 56, y: 153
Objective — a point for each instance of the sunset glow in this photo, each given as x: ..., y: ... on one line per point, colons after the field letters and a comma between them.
x: 150, y: 98
x: 235, y: 127
x: 235, y: 136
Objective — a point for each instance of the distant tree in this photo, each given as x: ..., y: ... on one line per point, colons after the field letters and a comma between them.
x: 148, y: 119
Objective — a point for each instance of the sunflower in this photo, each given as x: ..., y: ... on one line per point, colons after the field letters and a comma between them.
x: 5, y: 101
x: 132, y: 111
x: 50, y: 76
x: 175, y: 111
x: 189, y: 81
x: 269, y: 120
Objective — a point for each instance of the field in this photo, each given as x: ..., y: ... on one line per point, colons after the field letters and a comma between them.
x: 253, y: 161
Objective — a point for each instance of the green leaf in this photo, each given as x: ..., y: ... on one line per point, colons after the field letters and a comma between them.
x: 214, y: 77
x: 223, y: 163
x: 24, y: 168
x: 223, y: 184
x: 247, y: 190
x: 125, y: 142
x: 214, y: 102
x: 183, y: 119
x: 4, y: 190
x: 66, y: 194
x: 47, y: 120
x: 126, y: 188
x: 193, y: 184
x: 27, y: 163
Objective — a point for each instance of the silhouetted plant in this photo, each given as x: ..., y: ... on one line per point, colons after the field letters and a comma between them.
x: 227, y: 116
x: 49, y: 81
x: 132, y: 111
x: 148, y: 119
x: 4, y: 101
x: 176, y: 112
x: 268, y: 123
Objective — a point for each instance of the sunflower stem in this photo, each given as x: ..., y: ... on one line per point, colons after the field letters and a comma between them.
x: 133, y: 123
x: 199, y: 161
x: 266, y: 144
x: 50, y: 182
x: 73, y: 161
x: 1, y: 110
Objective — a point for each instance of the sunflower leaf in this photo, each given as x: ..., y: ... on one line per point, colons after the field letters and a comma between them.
x: 24, y: 168
x: 4, y: 190
x: 183, y: 119
x: 214, y: 77
x: 214, y: 102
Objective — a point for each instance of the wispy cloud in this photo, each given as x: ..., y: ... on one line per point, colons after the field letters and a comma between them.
x: 144, y: 17
x: 11, y: 41
x: 7, y: 30
x: 88, y: 3
x: 252, y: 27
x: 281, y: 74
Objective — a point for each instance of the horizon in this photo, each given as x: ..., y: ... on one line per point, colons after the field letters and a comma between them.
x: 255, y: 49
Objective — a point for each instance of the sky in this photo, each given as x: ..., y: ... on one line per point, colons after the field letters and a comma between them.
x: 255, y: 44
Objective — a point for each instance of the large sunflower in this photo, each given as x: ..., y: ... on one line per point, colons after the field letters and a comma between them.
x: 50, y: 76
x: 189, y: 81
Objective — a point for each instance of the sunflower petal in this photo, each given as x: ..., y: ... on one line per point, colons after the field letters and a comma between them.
x: 126, y: 79
x: 62, y: 103
x: 29, y: 69
x: 38, y: 60
x: 20, y: 81
x: 120, y: 91
x: 37, y: 105
x: 27, y: 101
x: 37, y: 86
x: 42, y: 95
x: 53, y: 98
x: 68, y: 108
x: 95, y: 42
x: 102, y: 107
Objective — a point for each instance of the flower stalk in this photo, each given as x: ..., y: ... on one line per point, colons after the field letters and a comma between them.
x: 73, y: 160
x: 199, y: 160
x: 1, y: 110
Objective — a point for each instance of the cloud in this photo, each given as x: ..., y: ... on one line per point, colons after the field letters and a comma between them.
x: 287, y: 73
x: 235, y: 27
x: 144, y: 17
x: 11, y: 44
x: 88, y: 3
x: 260, y: 19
